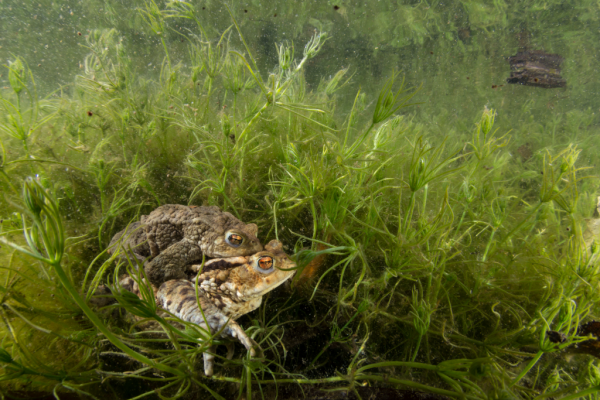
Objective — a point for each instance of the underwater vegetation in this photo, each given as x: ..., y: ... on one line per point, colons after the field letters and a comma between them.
x: 457, y: 260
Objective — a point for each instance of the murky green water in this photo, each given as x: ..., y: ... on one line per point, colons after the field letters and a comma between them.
x: 455, y: 49
x: 444, y: 220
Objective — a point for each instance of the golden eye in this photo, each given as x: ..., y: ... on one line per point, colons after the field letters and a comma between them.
x: 234, y: 239
x: 265, y: 262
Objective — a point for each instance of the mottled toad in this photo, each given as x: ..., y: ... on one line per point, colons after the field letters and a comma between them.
x: 173, y: 236
x: 227, y: 289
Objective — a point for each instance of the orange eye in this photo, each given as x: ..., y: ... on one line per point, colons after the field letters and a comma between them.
x: 234, y: 239
x: 265, y: 262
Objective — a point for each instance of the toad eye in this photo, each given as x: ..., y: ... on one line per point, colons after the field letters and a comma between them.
x: 234, y: 239
x: 265, y: 263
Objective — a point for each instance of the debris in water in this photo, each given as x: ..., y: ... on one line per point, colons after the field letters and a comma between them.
x: 536, y: 68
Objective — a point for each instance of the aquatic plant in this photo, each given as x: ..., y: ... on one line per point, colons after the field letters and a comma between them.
x: 445, y: 261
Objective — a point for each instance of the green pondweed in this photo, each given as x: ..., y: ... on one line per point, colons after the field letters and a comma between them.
x: 17, y: 122
x: 155, y: 19
x: 484, y: 142
x: 105, y: 67
x: 388, y: 103
x: 236, y: 77
x: 211, y: 59
x: 492, y: 236
x: 425, y: 167
x: 335, y: 83
x: 569, y: 314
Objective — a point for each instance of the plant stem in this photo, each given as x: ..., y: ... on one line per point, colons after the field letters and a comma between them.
x: 515, y: 229
x: 487, y: 247
x: 358, y: 142
x: 8, y: 181
x: 162, y: 39
x: 414, y: 356
x: 527, y: 368
x: 254, y: 119
x: 242, y: 137
x: 313, y: 209
x: 248, y: 382
x: 462, y: 217
x: 409, y: 214
x: 583, y: 393
x: 233, y: 112
x: 208, y: 93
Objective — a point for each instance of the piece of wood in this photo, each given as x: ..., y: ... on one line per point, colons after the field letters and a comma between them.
x: 536, y: 68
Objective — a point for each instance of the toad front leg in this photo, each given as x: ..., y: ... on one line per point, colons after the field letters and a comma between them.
x: 170, y: 263
x: 235, y: 330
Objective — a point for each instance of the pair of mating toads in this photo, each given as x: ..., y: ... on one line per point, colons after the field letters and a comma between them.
x: 171, y: 243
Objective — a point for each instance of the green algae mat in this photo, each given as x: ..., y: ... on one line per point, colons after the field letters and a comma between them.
x: 430, y: 166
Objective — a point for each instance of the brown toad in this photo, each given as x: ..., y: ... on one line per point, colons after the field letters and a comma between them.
x: 227, y: 289
x: 173, y: 236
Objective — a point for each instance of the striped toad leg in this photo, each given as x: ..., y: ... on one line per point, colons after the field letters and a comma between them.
x: 178, y: 297
x: 230, y: 350
x: 235, y: 330
x: 209, y: 360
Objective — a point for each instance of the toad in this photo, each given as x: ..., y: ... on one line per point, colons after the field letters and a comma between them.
x: 173, y: 236
x: 227, y: 289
